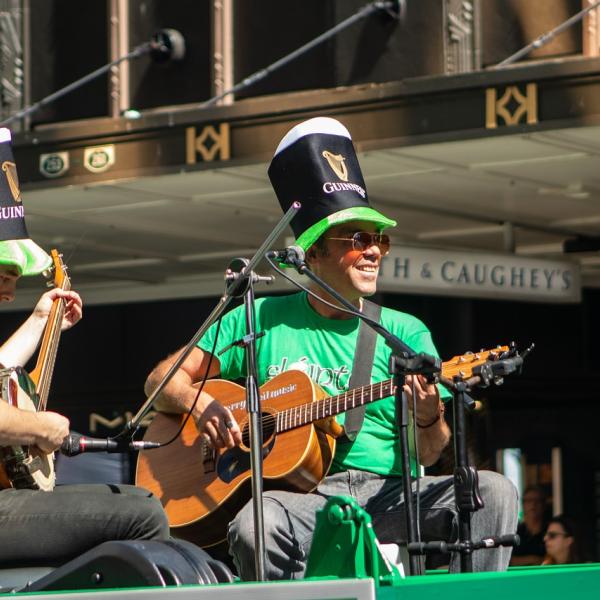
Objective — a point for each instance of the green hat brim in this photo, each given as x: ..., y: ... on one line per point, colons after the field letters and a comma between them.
x: 355, y: 213
x: 25, y: 255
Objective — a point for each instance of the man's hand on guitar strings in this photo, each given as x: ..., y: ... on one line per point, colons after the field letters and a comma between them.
x: 217, y: 424
x: 51, y: 430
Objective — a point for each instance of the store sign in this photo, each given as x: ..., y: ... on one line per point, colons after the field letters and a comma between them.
x: 498, y: 276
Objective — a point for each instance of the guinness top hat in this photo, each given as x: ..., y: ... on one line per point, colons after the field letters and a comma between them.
x: 16, y: 249
x: 315, y: 163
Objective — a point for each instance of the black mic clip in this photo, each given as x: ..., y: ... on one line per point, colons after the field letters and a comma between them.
x: 292, y: 256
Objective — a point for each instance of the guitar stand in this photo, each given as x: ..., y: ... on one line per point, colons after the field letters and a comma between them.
x: 466, y: 480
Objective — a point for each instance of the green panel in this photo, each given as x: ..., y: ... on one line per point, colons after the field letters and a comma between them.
x: 573, y: 582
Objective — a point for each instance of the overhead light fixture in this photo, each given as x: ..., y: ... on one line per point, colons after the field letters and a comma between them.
x: 582, y: 243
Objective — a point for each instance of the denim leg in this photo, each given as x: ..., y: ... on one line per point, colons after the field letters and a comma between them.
x: 56, y: 526
x: 439, y: 517
x: 289, y: 520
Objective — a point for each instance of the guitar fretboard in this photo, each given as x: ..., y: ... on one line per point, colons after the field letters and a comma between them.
x: 304, y: 414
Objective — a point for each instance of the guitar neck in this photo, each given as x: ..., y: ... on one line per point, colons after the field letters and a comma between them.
x: 304, y: 414
x: 459, y: 366
x: 44, y: 368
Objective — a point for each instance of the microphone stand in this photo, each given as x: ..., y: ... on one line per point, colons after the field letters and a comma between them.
x: 239, y: 283
x: 253, y: 408
x: 165, y: 44
x: 466, y: 479
x: 403, y: 361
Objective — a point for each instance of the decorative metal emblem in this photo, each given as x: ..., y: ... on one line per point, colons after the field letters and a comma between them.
x: 10, y: 168
x: 211, y: 144
x: 337, y: 164
x: 54, y: 164
x: 526, y: 106
x: 99, y: 158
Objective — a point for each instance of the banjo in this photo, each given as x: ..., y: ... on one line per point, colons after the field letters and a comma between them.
x: 27, y: 466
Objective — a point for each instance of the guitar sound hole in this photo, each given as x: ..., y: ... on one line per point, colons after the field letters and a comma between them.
x: 268, y: 429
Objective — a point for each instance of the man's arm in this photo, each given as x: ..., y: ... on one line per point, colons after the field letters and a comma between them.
x: 212, y: 418
x: 19, y: 348
x: 46, y: 430
x: 432, y: 431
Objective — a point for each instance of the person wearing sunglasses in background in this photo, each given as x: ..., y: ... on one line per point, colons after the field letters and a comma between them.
x: 562, y: 545
x: 531, y: 529
x: 344, y: 242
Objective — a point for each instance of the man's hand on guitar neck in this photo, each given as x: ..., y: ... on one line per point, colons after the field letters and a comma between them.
x: 73, y: 307
x: 432, y: 429
x: 19, y: 348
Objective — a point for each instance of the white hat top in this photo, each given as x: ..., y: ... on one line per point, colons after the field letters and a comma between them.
x: 4, y: 134
x: 316, y: 125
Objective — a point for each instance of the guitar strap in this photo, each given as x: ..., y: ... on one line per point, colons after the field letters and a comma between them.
x: 362, y: 367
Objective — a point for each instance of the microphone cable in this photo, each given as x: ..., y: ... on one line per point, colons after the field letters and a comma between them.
x: 191, y: 409
x: 353, y: 313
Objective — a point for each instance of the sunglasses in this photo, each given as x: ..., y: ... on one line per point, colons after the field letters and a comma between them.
x: 554, y: 534
x: 362, y: 240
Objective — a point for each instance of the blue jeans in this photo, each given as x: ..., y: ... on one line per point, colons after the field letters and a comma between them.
x: 53, y: 527
x: 290, y: 519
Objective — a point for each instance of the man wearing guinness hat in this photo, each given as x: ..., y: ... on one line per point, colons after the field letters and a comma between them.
x: 344, y: 242
x: 51, y: 526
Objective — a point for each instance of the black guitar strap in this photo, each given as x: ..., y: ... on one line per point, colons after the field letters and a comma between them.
x: 362, y: 367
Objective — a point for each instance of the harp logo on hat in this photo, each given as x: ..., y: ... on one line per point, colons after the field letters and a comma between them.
x: 10, y: 168
x: 337, y: 164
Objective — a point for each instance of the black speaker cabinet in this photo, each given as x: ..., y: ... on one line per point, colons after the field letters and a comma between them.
x: 136, y: 564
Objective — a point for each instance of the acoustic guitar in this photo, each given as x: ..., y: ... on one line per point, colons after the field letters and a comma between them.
x: 26, y: 466
x: 202, y: 488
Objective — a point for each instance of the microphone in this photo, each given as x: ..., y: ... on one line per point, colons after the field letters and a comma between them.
x: 75, y: 444
x: 292, y: 255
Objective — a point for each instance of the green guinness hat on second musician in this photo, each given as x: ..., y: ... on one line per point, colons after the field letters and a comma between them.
x: 316, y: 164
x: 16, y: 248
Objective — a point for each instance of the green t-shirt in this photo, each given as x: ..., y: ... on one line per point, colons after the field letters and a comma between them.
x: 297, y: 337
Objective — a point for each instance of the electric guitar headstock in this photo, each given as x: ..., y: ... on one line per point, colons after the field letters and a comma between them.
x: 57, y: 273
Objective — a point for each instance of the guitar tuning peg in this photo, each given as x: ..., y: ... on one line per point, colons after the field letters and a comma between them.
x: 49, y: 284
x: 461, y: 359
